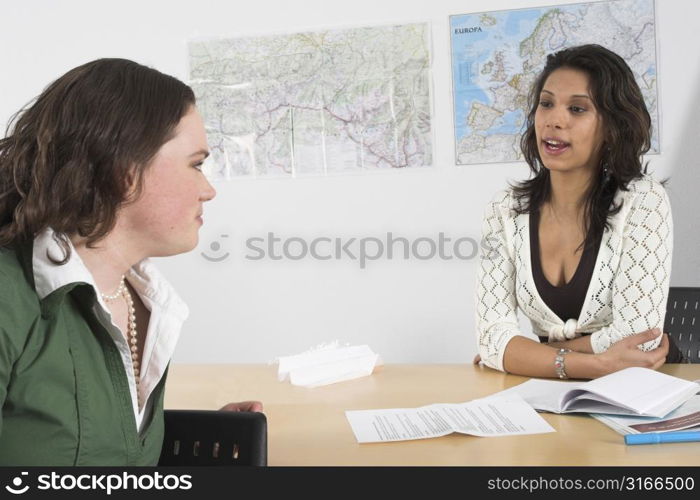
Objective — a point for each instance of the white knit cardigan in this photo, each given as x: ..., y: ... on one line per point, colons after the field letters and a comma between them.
x: 627, y: 293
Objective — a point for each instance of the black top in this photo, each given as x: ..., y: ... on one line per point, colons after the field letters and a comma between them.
x: 567, y: 300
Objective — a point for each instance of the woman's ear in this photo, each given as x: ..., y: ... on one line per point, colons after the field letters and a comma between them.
x: 132, y: 181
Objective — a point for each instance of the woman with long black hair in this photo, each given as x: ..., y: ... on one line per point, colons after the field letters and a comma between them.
x: 582, y: 248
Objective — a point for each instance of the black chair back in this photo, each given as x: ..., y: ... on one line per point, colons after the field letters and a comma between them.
x: 196, y: 437
x: 682, y: 321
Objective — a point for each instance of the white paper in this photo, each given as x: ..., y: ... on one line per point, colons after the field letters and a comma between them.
x: 327, y: 365
x: 482, y: 417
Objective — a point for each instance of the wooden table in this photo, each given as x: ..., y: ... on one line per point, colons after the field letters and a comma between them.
x: 308, y: 426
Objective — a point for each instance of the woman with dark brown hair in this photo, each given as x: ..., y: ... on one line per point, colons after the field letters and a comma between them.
x: 99, y: 173
x: 582, y: 248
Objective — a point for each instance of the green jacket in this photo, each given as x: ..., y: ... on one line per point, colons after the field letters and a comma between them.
x: 63, y: 387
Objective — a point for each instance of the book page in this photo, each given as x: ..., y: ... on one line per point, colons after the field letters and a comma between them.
x: 646, y: 392
x: 543, y: 395
x: 632, y: 391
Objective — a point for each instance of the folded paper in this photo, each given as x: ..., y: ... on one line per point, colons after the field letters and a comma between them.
x: 328, y: 364
x: 507, y: 416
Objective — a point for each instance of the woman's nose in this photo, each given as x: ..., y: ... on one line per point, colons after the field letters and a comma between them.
x: 208, y: 193
x: 557, y: 118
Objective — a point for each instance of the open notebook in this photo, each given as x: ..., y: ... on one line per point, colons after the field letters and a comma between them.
x: 632, y: 391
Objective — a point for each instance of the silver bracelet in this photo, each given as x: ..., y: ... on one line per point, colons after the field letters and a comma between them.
x: 559, y: 363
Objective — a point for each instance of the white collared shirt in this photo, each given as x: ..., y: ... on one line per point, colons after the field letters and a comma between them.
x: 167, y: 313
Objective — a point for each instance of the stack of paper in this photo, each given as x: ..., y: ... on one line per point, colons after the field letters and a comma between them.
x: 686, y: 416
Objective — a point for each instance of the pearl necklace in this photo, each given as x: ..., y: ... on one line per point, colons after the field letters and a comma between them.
x: 132, y: 332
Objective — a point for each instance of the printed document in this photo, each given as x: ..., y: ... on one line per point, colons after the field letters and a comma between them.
x: 481, y: 417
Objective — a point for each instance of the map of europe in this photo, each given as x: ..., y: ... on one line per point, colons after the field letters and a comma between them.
x: 316, y: 103
x: 496, y: 57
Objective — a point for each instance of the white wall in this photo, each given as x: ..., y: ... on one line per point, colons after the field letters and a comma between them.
x: 408, y: 311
